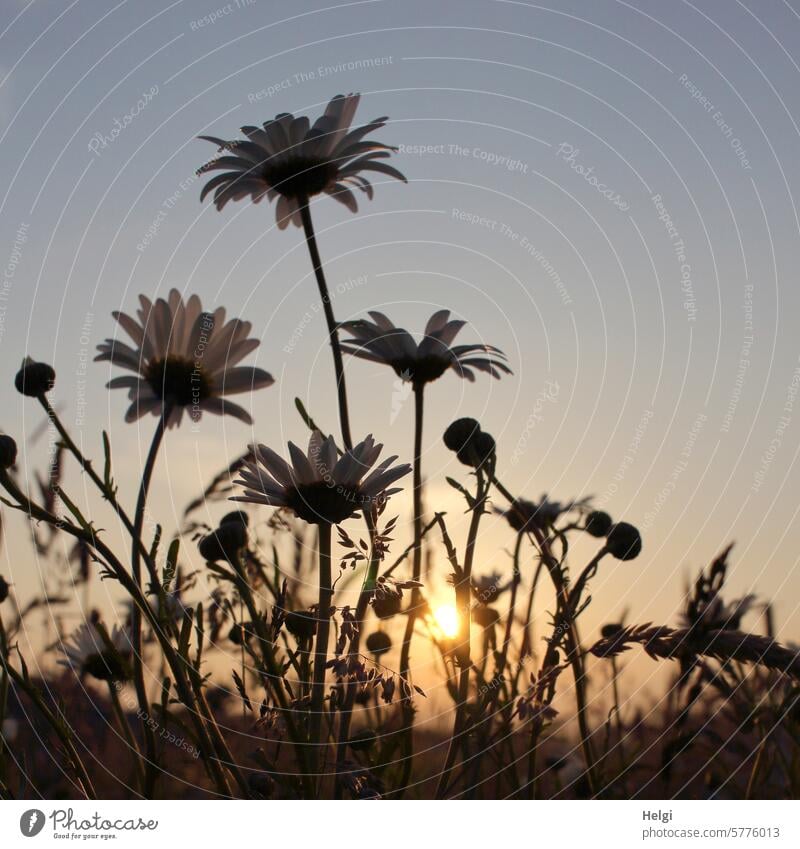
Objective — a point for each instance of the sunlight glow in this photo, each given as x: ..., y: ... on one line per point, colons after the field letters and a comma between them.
x: 446, y: 617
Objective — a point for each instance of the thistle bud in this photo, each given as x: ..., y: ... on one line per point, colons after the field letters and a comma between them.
x: 598, y: 523
x: 624, y: 541
x: 8, y: 451
x: 379, y: 643
x: 34, y: 379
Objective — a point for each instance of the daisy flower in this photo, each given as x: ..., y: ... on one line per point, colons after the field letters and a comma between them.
x: 183, y: 357
x: 291, y: 160
x: 320, y: 487
x: 88, y: 652
x: 381, y: 342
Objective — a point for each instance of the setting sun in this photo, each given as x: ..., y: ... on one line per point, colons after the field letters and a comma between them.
x: 446, y: 618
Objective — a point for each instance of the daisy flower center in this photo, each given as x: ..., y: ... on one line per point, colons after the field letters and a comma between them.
x: 300, y: 176
x: 421, y: 370
x: 105, y: 666
x: 178, y: 380
x: 323, y: 502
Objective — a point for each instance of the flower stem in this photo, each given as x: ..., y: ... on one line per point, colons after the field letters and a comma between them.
x: 136, y: 617
x: 463, y: 606
x: 362, y: 606
x: 405, y: 653
x: 53, y: 716
x: 571, y: 637
x: 91, y: 538
x: 107, y: 492
x: 321, y: 647
x: 333, y: 330
x: 125, y: 729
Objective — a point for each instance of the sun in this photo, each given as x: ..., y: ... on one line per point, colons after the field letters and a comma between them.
x: 446, y: 618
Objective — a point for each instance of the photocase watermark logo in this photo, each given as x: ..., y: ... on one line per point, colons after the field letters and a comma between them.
x: 64, y: 824
x: 31, y: 822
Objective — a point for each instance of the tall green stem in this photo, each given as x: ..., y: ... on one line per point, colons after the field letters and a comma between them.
x: 136, y: 617
x: 333, y: 330
x: 416, y: 573
x: 321, y: 647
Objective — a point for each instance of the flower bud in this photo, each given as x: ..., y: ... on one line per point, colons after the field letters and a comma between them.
x: 235, y: 516
x: 610, y: 630
x: 379, y: 642
x: 485, y: 616
x: 34, y: 379
x: 224, y: 543
x: 482, y: 449
x: 386, y: 606
x: 624, y: 541
x: 4, y: 586
x: 8, y: 451
x: 107, y: 665
x: 301, y: 624
x: 461, y: 432
x: 598, y: 523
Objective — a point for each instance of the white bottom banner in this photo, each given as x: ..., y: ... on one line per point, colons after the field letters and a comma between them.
x: 597, y: 824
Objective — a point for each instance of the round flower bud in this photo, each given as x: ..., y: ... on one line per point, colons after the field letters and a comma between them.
x: 237, y: 516
x: 3, y: 589
x: 482, y: 449
x: 301, y: 624
x: 362, y: 740
x: 8, y: 451
x: 461, y: 432
x: 241, y: 633
x: 379, y: 643
x: 485, y: 616
x: 386, y: 606
x: 598, y: 523
x: 624, y: 541
x: 224, y: 543
x: 34, y: 379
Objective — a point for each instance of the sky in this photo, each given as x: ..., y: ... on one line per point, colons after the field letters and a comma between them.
x: 604, y: 190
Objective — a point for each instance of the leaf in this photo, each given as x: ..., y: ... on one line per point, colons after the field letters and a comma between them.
x: 456, y: 485
x: 242, y: 690
x: 309, y: 422
x: 107, y: 479
x: 171, y: 565
x: 186, y: 634
x: 198, y: 618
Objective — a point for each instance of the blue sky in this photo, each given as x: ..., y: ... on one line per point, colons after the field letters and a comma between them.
x: 605, y: 190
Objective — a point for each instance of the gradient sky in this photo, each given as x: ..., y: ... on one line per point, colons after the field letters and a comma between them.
x: 664, y: 385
